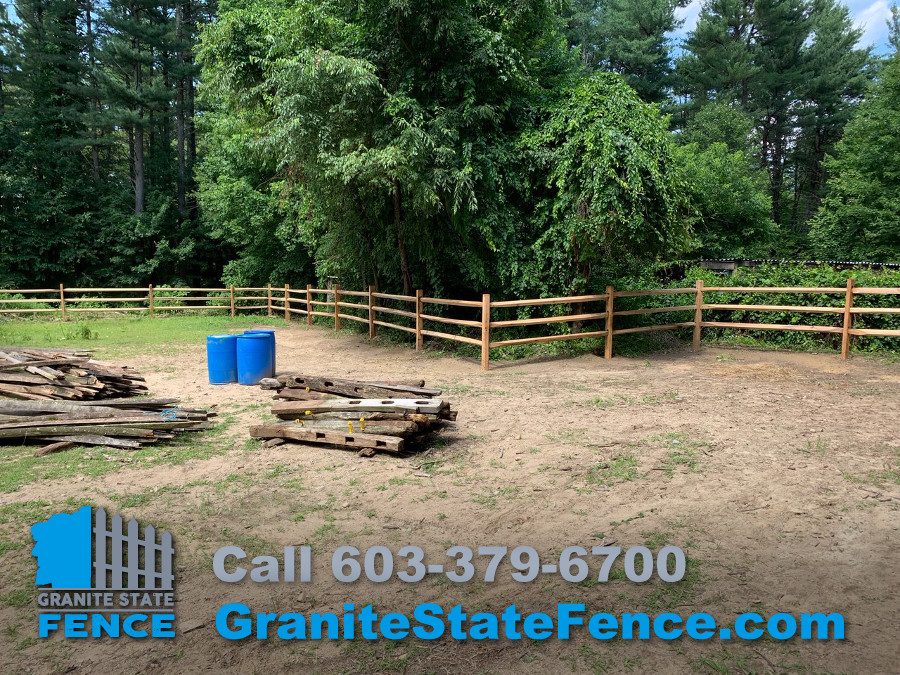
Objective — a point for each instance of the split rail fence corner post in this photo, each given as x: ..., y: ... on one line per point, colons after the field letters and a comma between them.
x: 698, y: 314
x: 371, y: 314
x: 309, y: 315
x: 608, y: 340
x: 62, y: 302
x: 269, y: 299
x: 419, y: 319
x: 848, y: 319
x: 287, y: 302
x: 485, y: 331
x: 150, y: 298
x: 337, y: 307
x: 231, y: 290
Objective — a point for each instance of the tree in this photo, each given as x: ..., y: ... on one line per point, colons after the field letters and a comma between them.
x: 794, y: 67
x: 628, y: 37
x: 860, y: 215
x: 615, y: 192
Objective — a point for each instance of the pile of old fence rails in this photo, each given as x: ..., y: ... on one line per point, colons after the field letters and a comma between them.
x: 367, y: 416
x: 150, y: 300
x: 28, y: 373
x: 119, y: 423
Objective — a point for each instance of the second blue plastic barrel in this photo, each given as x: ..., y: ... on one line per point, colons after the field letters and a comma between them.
x: 221, y: 358
x: 254, y: 358
x: 270, y: 334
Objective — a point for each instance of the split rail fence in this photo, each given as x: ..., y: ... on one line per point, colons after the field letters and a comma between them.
x: 475, y: 320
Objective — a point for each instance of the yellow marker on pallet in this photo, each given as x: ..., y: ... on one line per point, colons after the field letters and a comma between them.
x: 350, y: 422
x: 362, y: 423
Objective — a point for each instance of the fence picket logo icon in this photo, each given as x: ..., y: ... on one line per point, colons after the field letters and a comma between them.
x: 102, y: 576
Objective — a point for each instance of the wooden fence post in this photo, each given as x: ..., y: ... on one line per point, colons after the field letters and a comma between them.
x: 269, y: 299
x: 698, y: 313
x: 337, y: 308
x: 485, y: 331
x: 309, y: 315
x: 287, y: 302
x: 231, y: 291
x: 62, y: 302
x: 371, y: 314
x: 419, y: 319
x: 608, y: 340
x: 848, y: 319
x: 150, y: 296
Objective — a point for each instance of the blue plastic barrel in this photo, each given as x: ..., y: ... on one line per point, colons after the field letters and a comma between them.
x: 221, y: 358
x: 254, y: 358
x: 270, y: 334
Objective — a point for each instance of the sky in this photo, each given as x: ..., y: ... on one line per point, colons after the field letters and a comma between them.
x: 869, y: 15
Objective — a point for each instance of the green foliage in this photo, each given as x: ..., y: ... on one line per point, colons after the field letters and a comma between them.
x: 628, y: 37
x: 732, y: 200
x: 613, y: 187
x: 860, y: 216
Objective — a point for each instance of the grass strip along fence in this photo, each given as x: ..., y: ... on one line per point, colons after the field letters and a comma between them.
x: 474, y: 322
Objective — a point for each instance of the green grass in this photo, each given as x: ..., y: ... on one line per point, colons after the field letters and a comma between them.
x: 617, y: 470
x: 128, y: 335
x: 19, y: 466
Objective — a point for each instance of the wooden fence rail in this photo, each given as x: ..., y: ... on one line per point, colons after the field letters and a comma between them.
x: 475, y: 319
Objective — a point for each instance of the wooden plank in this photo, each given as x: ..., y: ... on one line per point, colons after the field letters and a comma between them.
x: 549, y: 338
x: 773, y: 289
x: 452, y: 303
x: 549, y: 301
x: 371, y: 314
x: 455, y: 322
x: 421, y: 419
x: 875, y: 331
x: 777, y: 308
x: 450, y: 336
x: 357, y: 294
x: 656, y: 310
x: 309, y: 309
x: 773, y: 326
x: 649, y: 329
x: 398, y: 312
x: 698, y: 315
x: 485, y: 331
x: 354, y: 318
x: 419, y: 340
x: 608, y: 337
x: 337, y: 307
x: 97, y: 439
x: 393, y: 325
x: 397, y: 405
x: 875, y: 310
x: 659, y: 291
x: 869, y: 290
x: 149, y: 421
x: 549, y: 319
x: 65, y: 429
x: 401, y: 428
x: 389, y: 296
x: 848, y: 319
x: 29, y: 290
x: 324, y: 436
x: 351, y: 388
x: 58, y: 446
x: 350, y: 305
x: 108, y: 300
x: 43, y: 362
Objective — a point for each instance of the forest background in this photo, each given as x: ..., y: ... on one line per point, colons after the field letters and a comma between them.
x: 516, y: 147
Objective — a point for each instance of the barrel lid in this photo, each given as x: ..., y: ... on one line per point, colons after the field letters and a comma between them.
x: 220, y: 337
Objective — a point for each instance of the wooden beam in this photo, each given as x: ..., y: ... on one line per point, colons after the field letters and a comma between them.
x: 323, y: 436
x: 698, y: 314
x: 397, y: 405
x: 485, y: 331
x: 848, y: 319
x: 419, y: 339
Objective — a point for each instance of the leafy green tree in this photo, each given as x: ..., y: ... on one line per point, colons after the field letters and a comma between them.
x: 731, y: 198
x: 627, y: 37
x: 615, y: 192
x: 860, y: 215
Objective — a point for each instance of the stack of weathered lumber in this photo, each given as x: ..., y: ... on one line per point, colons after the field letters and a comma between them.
x: 52, y: 374
x: 122, y: 423
x: 369, y: 416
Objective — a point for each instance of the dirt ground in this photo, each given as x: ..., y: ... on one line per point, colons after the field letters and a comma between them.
x: 776, y: 472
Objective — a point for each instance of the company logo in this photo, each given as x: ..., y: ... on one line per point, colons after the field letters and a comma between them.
x: 103, y: 580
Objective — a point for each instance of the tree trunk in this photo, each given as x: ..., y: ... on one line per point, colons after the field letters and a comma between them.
x: 179, y: 113
x: 138, y: 143
x: 401, y: 243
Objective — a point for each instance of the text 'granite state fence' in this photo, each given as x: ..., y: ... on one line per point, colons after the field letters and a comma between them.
x: 589, y: 316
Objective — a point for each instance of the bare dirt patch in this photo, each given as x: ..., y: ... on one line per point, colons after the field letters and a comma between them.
x: 776, y: 472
